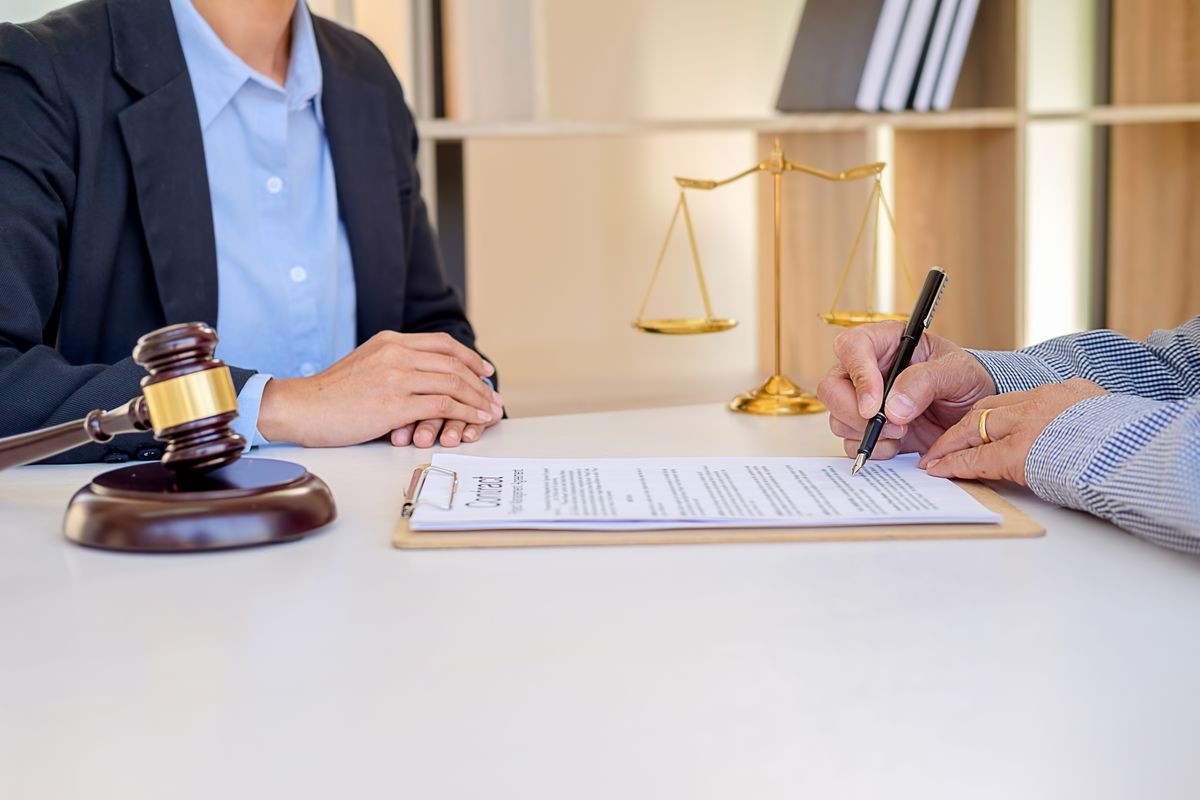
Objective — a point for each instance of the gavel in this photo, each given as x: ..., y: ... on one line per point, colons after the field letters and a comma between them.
x: 203, y: 495
x: 187, y: 400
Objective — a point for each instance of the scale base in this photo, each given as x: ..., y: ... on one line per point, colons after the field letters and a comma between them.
x: 777, y: 397
x: 150, y: 509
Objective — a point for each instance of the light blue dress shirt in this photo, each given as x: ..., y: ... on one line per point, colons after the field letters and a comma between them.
x: 286, y: 304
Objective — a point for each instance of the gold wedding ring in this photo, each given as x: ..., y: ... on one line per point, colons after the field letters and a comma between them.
x: 983, y: 434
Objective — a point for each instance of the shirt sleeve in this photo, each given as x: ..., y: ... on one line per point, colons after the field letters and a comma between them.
x: 1131, y: 460
x: 249, y: 401
x: 1131, y: 457
x: 1164, y: 367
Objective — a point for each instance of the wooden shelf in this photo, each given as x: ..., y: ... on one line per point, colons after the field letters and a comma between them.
x: 844, y: 121
x: 1122, y: 114
x: 443, y: 130
x: 454, y: 130
x: 1153, y: 201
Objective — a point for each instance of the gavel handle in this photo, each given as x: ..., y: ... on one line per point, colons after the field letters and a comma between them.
x: 97, y: 426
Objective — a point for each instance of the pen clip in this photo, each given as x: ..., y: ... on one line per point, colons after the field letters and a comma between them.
x: 413, y: 496
x: 936, y: 299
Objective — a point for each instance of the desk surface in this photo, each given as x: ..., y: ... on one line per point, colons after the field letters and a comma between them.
x: 1067, y: 666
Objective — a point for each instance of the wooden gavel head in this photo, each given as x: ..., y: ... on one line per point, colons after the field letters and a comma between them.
x: 189, y: 397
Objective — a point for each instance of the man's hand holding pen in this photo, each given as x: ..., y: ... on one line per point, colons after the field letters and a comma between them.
x: 935, y: 405
x: 941, y: 385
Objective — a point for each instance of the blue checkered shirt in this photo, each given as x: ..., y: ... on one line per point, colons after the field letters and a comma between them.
x: 1133, y: 456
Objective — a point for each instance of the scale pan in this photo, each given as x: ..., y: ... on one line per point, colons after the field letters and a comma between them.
x: 848, y: 319
x: 680, y: 327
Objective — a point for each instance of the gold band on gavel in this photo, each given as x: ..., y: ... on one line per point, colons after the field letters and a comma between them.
x: 196, y: 395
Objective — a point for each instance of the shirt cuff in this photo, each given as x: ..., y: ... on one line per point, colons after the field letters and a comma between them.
x: 1015, y: 372
x: 249, y: 400
x: 1081, y: 446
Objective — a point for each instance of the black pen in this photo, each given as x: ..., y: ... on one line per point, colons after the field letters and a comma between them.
x: 922, y: 315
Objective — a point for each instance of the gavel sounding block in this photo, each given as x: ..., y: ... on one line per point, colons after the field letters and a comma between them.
x: 149, y: 508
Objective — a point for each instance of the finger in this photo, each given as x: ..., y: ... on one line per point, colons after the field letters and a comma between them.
x: 440, y: 362
x: 452, y: 432
x: 426, y: 433
x: 884, y: 448
x: 471, y: 391
x: 860, y: 352
x: 438, y: 406
x: 402, y: 437
x: 917, y: 387
x: 993, y: 461
x: 448, y: 345
x: 836, y: 391
x: 964, y: 434
x: 855, y: 429
x: 472, y: 432
x: 921, y: 384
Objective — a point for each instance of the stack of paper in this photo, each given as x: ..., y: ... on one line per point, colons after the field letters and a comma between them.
x: 662, y: 493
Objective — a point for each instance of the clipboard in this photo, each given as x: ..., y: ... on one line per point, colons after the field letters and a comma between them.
x: 1013, y: 524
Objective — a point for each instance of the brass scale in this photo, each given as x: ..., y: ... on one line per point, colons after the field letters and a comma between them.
x: 777, y: 395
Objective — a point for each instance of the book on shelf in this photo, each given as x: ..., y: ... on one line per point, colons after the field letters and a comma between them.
x: 909, y: 50
x: 956, y: 49
x: 935, y: 53
x: 842, y: 54
x: 872, y: 55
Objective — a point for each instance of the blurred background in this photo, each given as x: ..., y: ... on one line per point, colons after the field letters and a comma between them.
x: 1057, y: 191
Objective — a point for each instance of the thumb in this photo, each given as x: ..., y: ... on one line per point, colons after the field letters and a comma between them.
x: 916, y: 388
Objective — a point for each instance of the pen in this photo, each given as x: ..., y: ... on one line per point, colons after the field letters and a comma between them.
x: 922, y: 315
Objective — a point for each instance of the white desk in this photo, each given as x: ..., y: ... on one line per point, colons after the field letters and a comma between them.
x: 337, y: 667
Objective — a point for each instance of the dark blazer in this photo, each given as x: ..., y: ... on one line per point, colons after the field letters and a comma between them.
x: 106, y: 226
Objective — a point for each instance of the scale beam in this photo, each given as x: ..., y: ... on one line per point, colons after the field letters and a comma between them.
x: 777, y: 395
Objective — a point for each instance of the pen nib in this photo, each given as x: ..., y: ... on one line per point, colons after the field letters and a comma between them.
x: 858, y: 463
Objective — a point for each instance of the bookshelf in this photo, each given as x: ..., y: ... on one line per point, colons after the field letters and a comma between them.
x: 1154, y: 213
x: 960, y: 182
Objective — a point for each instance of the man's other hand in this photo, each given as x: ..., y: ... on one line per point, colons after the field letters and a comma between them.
x: 447, y: 433
x: 941, y: 384
x: 1014, y: 423
x: 388, y: 383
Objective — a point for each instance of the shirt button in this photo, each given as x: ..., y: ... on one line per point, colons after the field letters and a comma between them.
x: 299, y: 274
x: 307, y: 369
x: 274, y: 184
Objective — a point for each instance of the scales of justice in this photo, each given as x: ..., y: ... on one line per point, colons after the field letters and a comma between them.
x: 777, y: 395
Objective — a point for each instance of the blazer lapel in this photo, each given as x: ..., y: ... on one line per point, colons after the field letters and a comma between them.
x: 360, y: 143
x: 166, y: 154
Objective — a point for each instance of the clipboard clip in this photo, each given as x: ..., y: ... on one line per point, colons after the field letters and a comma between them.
x: 413, y: 496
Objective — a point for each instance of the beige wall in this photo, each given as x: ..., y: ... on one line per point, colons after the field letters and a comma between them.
x: 563, y: 233
x: 26, y: 10
x: 388, y: 23
x: 618, y: 59
x: 562, y: 237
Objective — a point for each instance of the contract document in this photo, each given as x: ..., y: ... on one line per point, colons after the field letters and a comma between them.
x: 466, y: 493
